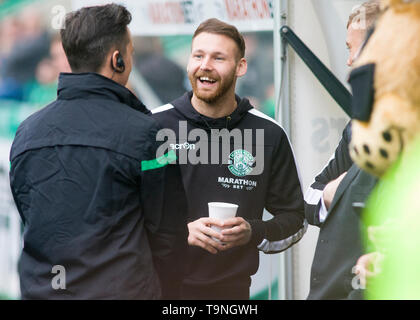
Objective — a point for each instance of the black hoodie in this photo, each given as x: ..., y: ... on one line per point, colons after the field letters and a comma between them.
x: 253, y: 181
x: 90, y: 195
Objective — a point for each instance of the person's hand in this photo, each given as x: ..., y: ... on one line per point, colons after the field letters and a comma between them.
x: 368, y: 266
x: 330, y: 189
x: 237, y: 232
x: 201, y: 233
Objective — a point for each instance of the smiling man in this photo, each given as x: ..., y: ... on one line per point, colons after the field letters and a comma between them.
x: 220, y: 265
x: 214, y: 65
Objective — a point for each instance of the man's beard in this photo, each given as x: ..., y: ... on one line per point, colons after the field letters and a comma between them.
x: 224, y: 86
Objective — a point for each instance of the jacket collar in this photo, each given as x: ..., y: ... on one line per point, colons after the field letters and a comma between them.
x: 184, y: 106
x: 95, y: 86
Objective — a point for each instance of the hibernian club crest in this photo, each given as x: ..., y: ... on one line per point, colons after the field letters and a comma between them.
x: 241, y: 162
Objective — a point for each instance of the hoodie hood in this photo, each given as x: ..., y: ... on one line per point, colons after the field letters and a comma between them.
x: 95, y: 86
x: 184, y: 106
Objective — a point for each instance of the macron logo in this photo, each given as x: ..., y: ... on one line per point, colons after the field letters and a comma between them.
x: 185, y: 145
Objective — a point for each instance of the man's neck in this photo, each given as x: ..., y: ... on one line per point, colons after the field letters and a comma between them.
x: 223, y: 107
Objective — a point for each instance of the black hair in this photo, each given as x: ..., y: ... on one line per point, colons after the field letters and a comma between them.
x: 91, y: 32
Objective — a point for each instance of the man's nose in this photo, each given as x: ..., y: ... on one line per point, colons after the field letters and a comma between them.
x: 205, y: 64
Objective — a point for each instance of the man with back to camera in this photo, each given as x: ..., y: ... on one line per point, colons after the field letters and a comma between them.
x: 332, y: 201
x: 221, y: 268
x: 85, y: 179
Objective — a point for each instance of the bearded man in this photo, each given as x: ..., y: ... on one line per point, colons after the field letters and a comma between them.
x: 229, y: 152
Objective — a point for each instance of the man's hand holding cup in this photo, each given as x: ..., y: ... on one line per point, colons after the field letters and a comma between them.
x: 221, y: 230
x: 202, y: 234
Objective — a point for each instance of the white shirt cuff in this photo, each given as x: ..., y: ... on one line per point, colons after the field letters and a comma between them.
x: 323, y: 212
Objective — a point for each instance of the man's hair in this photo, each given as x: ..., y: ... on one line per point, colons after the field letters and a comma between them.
x: 216, y: 26
x: 365, y: 15
x: 91, y: 32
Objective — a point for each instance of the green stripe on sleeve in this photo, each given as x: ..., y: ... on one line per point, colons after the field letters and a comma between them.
x: 159, y: 162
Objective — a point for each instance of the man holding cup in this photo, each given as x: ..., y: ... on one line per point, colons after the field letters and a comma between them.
x: 232, y: 154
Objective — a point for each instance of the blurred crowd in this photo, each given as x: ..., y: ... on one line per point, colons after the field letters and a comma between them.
x: 30, y: 58
x: 258, y: 83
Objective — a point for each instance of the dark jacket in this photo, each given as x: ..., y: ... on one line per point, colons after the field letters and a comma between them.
x: 90, y: 197
x: 339, y: 241
x: 276, y: 188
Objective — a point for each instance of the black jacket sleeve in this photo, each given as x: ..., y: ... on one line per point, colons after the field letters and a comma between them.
x: 284, y: 200
x: 166, y: 210
x: 337, y: 165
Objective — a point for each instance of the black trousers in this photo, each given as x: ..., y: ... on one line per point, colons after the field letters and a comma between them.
x: 225, y: 292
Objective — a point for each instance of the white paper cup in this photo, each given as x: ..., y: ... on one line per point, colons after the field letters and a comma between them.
x: 221, y: 211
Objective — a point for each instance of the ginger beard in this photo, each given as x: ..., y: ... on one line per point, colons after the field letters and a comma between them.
x: 213, y: 86
x: 213, y: 67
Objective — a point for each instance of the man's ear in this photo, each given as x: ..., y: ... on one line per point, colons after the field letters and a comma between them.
x: 241, y: 68
x: 115, y: 65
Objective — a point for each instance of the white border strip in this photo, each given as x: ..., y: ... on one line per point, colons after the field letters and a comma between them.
x: 165, y: 107
x: 277, y: 246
